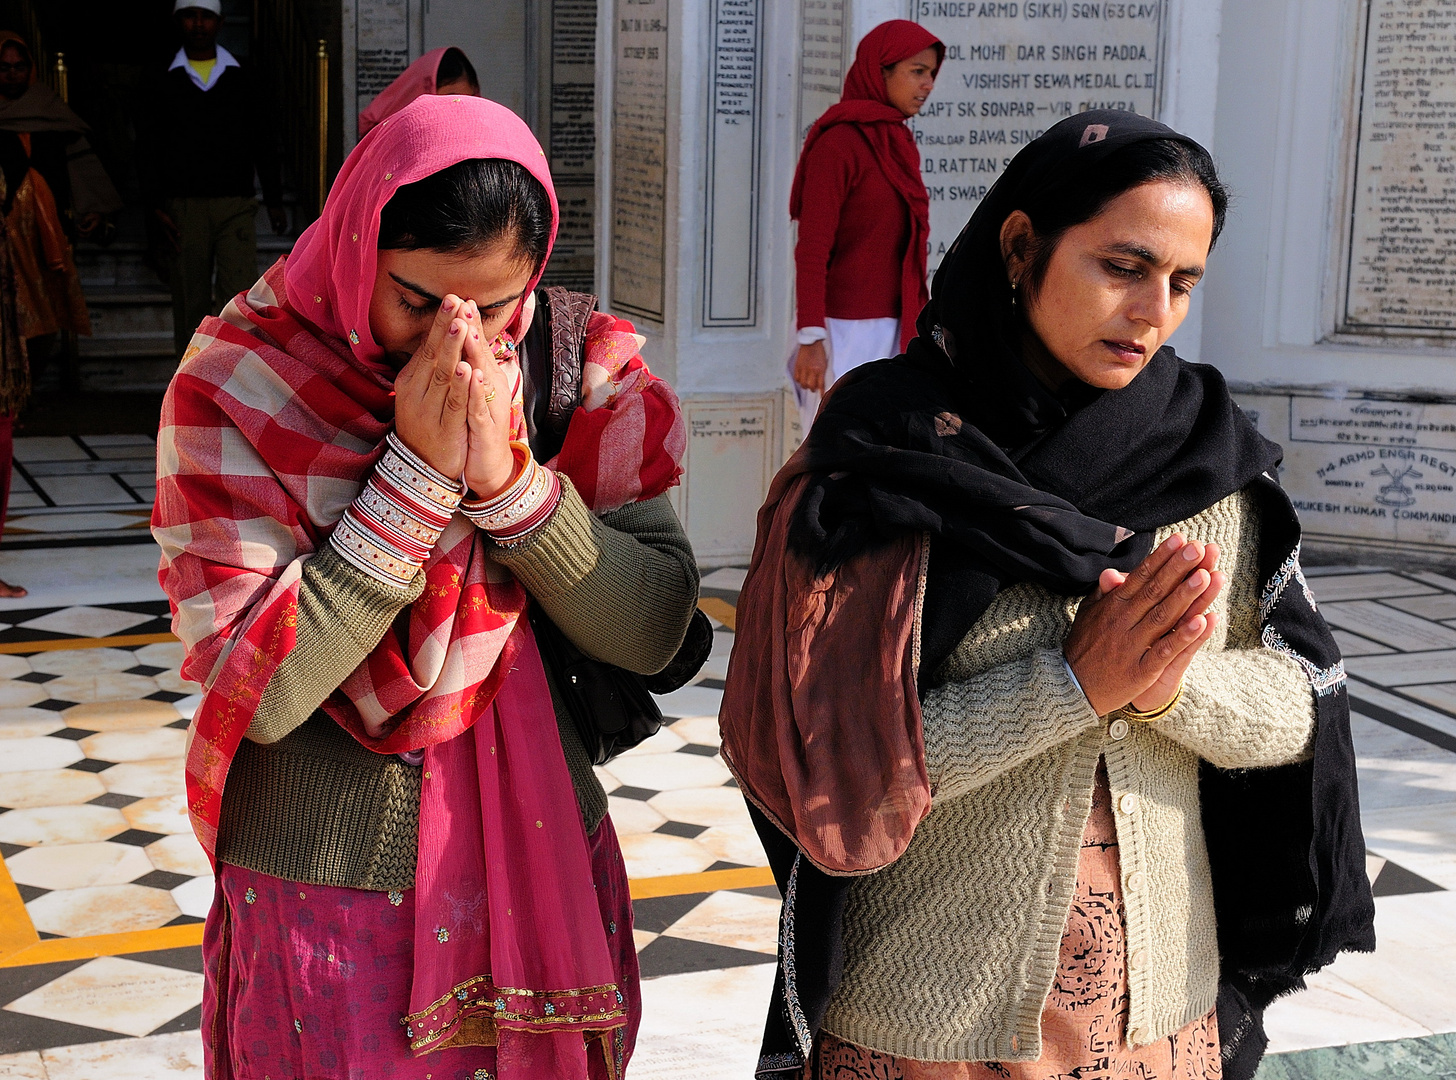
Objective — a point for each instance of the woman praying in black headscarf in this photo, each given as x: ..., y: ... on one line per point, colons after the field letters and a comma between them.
x: 1045, y: 737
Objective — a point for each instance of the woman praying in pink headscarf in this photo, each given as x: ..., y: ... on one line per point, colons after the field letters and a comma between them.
x: 368, y: 523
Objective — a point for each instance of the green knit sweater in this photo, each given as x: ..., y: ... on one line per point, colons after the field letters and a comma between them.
x: 304, y: 801
x: 950, y: 951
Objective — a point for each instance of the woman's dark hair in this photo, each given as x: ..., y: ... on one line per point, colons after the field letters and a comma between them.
x: 471, y: 206
x: 1056, y: 207
x: 454, y: 66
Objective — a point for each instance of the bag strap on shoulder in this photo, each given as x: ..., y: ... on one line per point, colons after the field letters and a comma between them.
x: 570, y: 313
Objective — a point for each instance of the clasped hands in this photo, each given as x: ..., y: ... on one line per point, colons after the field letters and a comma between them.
x: 1134, y: 637
x: 453, y: 402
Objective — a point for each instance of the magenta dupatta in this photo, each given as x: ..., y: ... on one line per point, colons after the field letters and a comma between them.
x: 526, y: 913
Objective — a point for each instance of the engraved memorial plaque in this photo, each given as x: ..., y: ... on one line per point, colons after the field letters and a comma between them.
x: 1401, y: 274
x: 1011, y: 71
x: 824, y: 56
x: 639, y: 158
x: 1365, y: 469
x: 730, y: 460
x: 730, y: 270
x: 572, y: 141
x: 381, y: 47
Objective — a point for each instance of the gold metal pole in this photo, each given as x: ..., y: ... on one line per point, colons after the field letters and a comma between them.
x: 323, y: 123
x: 63, y: 78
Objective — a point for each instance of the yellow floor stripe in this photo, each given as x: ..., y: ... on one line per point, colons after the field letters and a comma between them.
x: 719, y: 609
x: 16, y: 933
x: 58, y: 645
x: 87, y: 948
x: 20, y: 946
x: 708, y: 881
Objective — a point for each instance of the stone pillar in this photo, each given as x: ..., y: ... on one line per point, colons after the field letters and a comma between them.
x: 699, y: 138
x: 704, y: 106
x: 383, y: 37
x: 537, y: 57
x: 499, y: 40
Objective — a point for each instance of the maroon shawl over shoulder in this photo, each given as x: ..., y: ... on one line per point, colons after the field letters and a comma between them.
x: 850, y: 795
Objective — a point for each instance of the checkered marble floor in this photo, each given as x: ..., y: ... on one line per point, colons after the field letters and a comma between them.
x: 100, y: 970
x: 80, y: 488
x: 101, y: 860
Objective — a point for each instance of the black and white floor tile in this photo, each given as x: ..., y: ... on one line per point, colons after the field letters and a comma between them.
x: 72, y: 489
x: 94, y: 834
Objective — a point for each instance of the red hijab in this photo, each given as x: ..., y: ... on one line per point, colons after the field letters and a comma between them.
x: 866, y: 102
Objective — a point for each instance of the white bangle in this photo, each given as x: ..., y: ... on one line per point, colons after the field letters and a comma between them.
x: 522, y: 507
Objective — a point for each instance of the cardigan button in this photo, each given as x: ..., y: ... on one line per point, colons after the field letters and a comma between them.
x: 1118, y: 729
x: 1137, y: 960
x: 1128, y: 804
x: 1139, y: 1037
x: 1136, y: 881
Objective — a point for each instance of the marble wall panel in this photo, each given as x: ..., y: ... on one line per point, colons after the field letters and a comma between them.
x: 1365, y: 471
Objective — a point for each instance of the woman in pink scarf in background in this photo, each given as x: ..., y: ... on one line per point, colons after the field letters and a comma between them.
x: 353, y: 526
x: 442, y: 71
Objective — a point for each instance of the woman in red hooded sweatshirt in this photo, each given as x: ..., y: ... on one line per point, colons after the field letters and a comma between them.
x: 863, y: 214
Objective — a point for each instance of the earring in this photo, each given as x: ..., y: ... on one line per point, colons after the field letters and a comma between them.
x: 1015, y: 295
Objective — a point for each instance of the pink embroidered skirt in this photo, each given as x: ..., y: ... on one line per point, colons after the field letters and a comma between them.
x: 1084, y: 1021
x: 308, y: 982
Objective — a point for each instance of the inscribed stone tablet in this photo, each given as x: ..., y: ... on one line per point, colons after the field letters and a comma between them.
x: 1364, y: 469
x: 731, y: 205
x: 1011, y: 71
x: 1402, y: 259
x: 639, y: 157
x: 381, y: 47
x: 823, y: 58
x: 571, y: 143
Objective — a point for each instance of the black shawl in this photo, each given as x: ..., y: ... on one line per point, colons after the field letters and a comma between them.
x: 1014, y: 483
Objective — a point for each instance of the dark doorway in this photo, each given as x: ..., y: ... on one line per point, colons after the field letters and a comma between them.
x: 112, y: 382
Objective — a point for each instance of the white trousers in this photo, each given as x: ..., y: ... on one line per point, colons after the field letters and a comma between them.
x: 851, y: 342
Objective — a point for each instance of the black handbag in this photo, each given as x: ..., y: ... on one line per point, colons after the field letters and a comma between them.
x: 612, y: 707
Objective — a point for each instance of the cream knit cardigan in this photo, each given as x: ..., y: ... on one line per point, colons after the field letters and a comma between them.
x: 950, y: 951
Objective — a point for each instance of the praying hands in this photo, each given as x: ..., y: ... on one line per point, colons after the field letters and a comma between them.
x: 453, y: 401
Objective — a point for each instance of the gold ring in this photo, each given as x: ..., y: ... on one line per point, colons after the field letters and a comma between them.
x: 490, y: 396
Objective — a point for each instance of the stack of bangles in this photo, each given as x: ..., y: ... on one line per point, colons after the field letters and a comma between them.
x: 393, y: 525
x: 1128, y: 712
x: 523, y: 506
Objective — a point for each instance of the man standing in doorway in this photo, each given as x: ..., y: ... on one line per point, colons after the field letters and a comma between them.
x: 208, y: 132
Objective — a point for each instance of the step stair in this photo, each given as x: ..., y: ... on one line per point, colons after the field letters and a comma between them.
x: 130, y: 348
